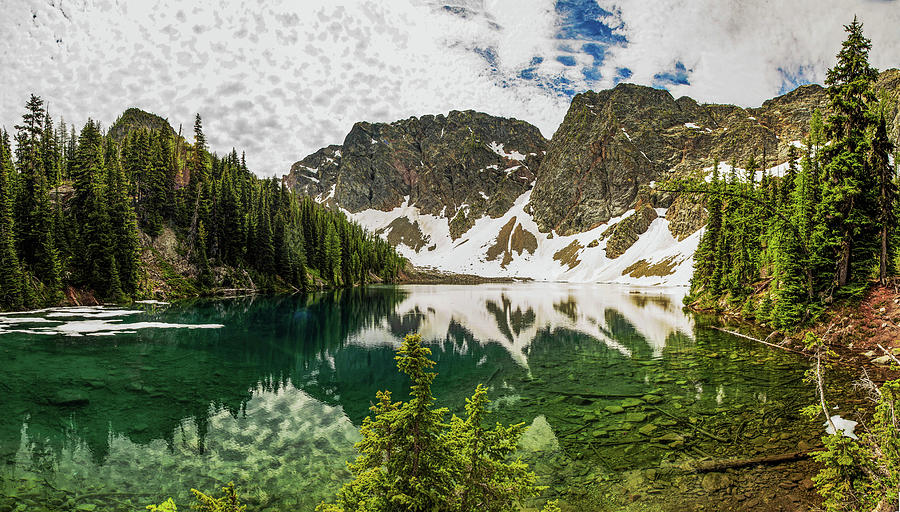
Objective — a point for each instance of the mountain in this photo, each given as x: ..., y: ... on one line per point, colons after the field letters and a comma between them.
x: 137, y: 119
x: 613, y: 142
x: 477, y: 194
x: 461, y: 166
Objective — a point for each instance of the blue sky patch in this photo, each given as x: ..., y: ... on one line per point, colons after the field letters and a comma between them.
x: 791, y: 79
x: 677, y: 76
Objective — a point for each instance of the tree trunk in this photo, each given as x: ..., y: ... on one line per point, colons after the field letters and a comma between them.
x: 883, y: 260
x: 843, y: 270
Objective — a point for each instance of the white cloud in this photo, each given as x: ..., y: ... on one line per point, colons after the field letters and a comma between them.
x: 281, y: 78
x: 737, y: 49
x: 276, y: 78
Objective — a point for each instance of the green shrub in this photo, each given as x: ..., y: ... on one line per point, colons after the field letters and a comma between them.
x: 862, y: 474
x: 229, y: 502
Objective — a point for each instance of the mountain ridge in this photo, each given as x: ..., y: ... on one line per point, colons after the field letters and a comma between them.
x: 569, y: 193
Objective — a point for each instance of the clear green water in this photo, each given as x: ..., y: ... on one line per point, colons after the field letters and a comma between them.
x: 270, y: 392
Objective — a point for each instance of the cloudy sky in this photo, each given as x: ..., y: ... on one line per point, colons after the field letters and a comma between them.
x: 282, y: 78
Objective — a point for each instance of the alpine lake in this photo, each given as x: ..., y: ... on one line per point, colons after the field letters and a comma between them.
x: 111, y: 409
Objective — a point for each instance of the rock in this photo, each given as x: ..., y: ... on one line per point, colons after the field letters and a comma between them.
x: 614, y: 143
x: 614, y: 409
x: 69, y: 398
x: 626, y: 232
x: 883, y: 360
x: 647, y: 429
x: 631, y: 402
x: 635, y: 417
x: 807, y: 484
x: 652, y: 399
x: 712, y: 482
x: 686, y: 215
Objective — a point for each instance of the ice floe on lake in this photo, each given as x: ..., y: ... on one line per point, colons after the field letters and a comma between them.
x: 84, y: 321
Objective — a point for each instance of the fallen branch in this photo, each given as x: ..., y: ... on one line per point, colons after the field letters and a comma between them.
x: 735, y: 333
x: 695, y: 427
x: 721, y: 465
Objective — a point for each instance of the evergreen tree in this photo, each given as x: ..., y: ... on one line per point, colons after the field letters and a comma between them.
x: 35, y: 219
x: 204, y: 270
x: 706, y: 256
x: 887, y: 194
x: 332, y: 246
x: 95, y: 267
x: 10, y: 269
x: 124, y: 230
x: 849, y: 198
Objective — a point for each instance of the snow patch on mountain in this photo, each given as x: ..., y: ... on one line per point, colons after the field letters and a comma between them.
x: 512, y: 246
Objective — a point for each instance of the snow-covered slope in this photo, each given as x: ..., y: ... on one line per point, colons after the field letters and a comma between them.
x: 512, y: 246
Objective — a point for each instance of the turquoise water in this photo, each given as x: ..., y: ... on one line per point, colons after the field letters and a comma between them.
x: 112, y: 409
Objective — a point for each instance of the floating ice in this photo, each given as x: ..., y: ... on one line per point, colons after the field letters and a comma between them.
x: 845, y: 426
x: 83, y: 321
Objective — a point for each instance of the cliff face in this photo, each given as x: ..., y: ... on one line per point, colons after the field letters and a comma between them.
x: 614, y: 142
x: 463, y: 166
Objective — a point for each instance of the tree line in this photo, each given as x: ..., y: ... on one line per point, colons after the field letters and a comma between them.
x: 821, y: 231
x: 80, y: 211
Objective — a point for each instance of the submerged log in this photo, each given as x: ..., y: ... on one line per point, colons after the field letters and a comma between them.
x: 721, y: 465
x: 594, y: 395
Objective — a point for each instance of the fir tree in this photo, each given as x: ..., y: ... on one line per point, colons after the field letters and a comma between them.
x: 887, y: 194
x: 10, y: 269
x: 849, y: 200
x: 35, y: 218
x: 126, y: 242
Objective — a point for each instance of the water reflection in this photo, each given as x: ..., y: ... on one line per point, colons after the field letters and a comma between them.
x: 273, y: 398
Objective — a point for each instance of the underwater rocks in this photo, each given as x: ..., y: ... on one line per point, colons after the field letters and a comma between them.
x: 69, y: 398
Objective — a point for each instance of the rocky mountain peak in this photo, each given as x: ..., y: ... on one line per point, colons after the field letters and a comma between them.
x: 612, y: 143
x: 137, y: 119
x: 463, y: 165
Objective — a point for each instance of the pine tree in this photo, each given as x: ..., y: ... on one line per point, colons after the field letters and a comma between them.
x: 412, y: 460
x: 850, y: 192
x: 35, y: 219
x: 96, y: 266
x: 10, y: 269
x: 124, y: 231
x: 332, y: 247
x: 204, y: 270
x: 706, y: 256
x: 887, y: 194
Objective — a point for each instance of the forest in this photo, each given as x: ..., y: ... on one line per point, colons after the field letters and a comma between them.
x: 79, y: 213
x: 782, y: 249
